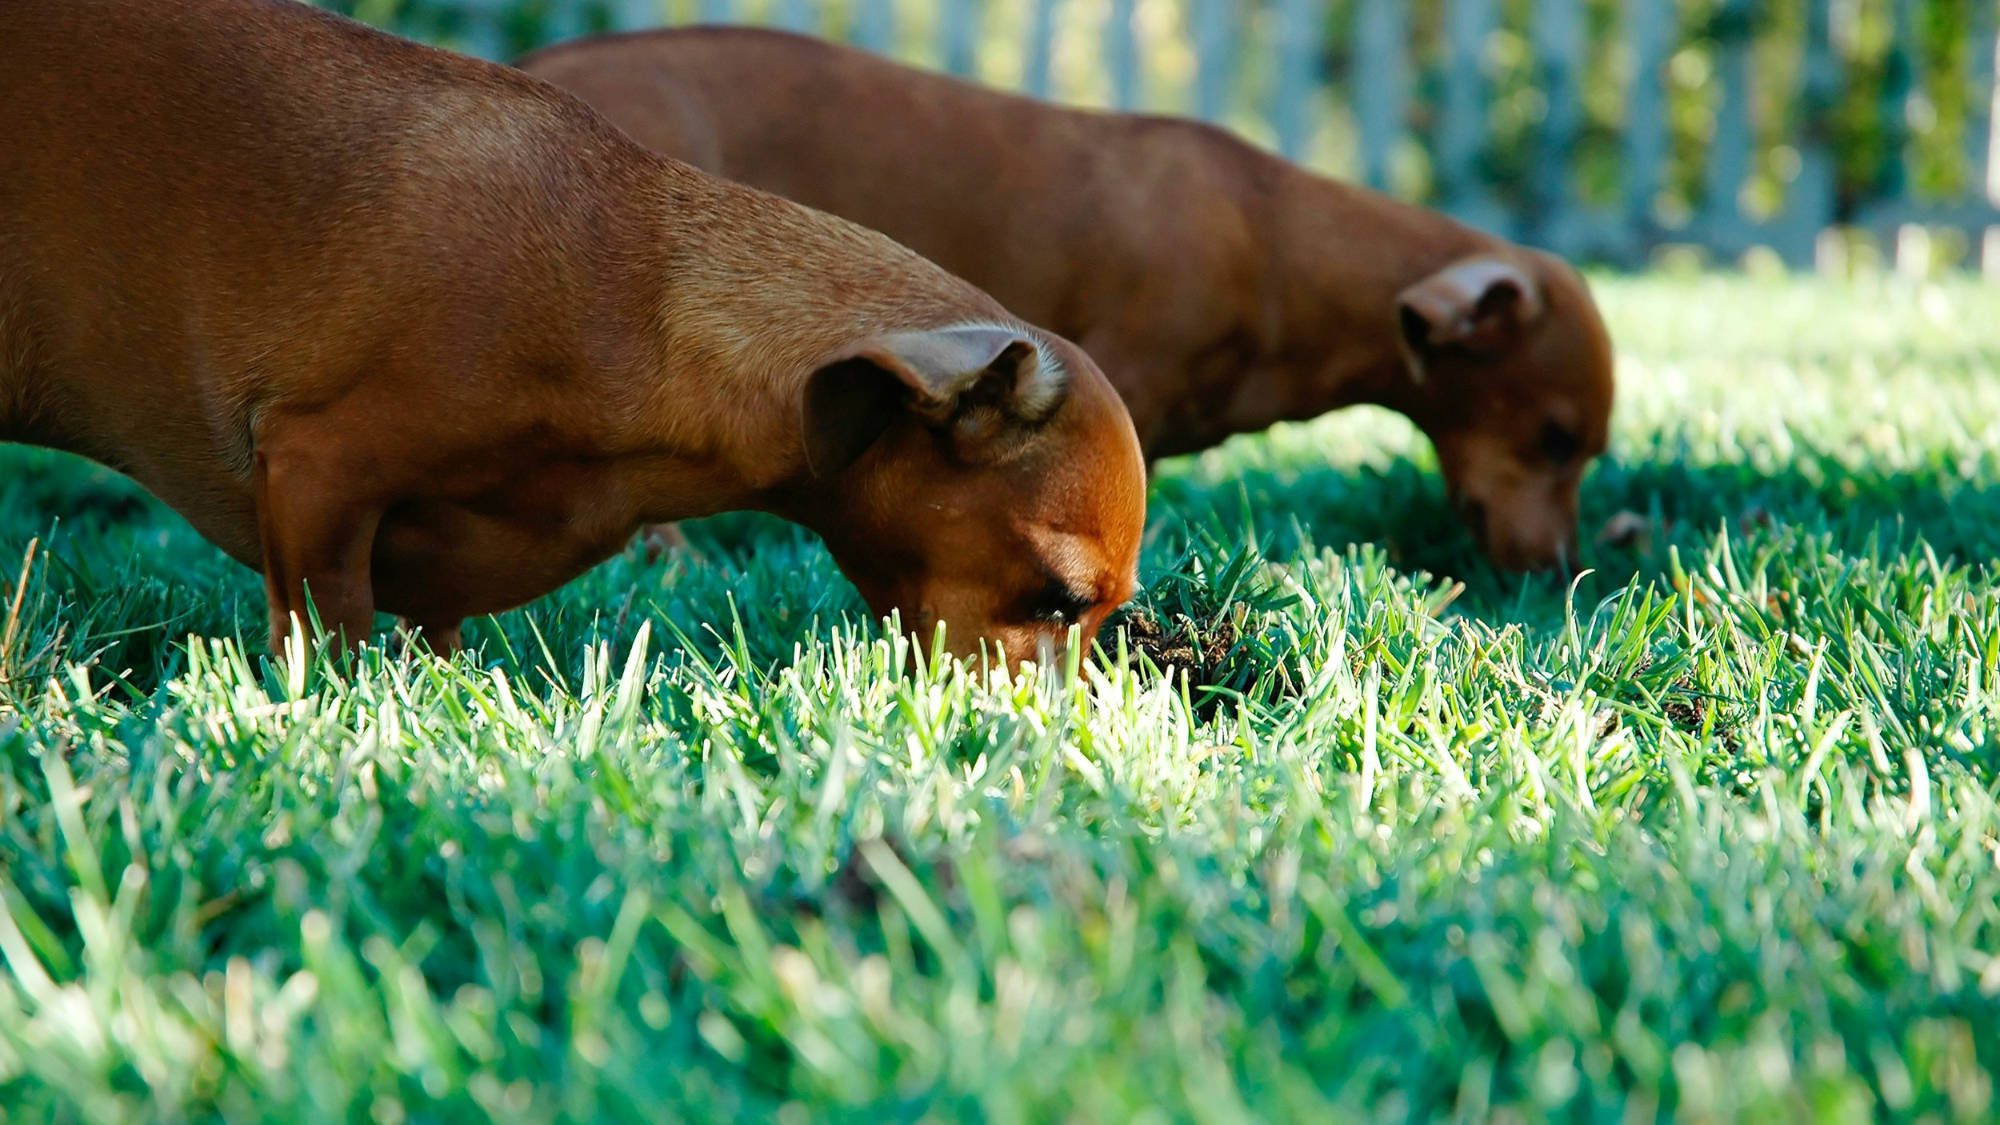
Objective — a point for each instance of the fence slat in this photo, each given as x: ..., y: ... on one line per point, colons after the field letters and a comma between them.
x: 1121, y: 48
x: 1809, y: 200
x: 1983, y: 177
x: 1558, y: 42
x: 1982, y: 147
x: 1892, y: 180
x: 1461, y: 134
x: 565, y: 21
x: 874, y: 25
x: 958, y: 36
x: 1214, y: 27
x: 1649, y: 31
x: 794, y: 15
x: 1729, y: 150
x: 1381, y: 84
x: 1037, y: 74
x: 1298, y: 50
x: 482, y: 35
x: 635, y: 15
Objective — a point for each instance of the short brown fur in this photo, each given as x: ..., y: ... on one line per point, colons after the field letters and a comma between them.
x: 1221, y: 288
x: 420, y: 333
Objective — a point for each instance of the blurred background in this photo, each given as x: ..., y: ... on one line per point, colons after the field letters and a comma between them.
x: 1837, y: 134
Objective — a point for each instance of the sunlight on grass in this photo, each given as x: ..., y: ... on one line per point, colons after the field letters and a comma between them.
x: 1341, y: 821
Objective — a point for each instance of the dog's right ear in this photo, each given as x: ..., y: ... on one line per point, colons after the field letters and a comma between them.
x: 975, y: 384
x: 1477, y: 304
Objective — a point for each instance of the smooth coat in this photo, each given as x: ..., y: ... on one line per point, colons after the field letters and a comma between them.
x: 410, y: 331
x: 1221, y: 288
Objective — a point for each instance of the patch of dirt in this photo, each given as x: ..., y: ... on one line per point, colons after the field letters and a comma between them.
x: 1687, y: 713
x: 1690, y: 711
x: 1185, y: 645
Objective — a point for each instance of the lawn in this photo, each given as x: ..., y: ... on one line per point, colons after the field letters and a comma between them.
x: 1342, y: 820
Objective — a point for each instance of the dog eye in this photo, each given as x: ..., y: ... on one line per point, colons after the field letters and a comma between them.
x: 1559, y: 442
x: 1057, y: 604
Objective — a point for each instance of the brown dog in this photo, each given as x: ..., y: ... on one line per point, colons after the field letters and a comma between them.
x: 414, y: 332
x: 1221, y: 288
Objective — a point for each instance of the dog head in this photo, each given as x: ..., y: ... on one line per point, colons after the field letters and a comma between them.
x: 981, y: 475
x: 1513, y: 374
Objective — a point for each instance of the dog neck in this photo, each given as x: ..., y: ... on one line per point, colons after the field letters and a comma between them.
x: 1338, y: 257
x: 746, y: 312
x: 682, y: 401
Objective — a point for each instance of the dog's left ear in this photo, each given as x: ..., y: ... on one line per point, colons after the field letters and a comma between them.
x: 1477, y: 304
x: 978, y: 386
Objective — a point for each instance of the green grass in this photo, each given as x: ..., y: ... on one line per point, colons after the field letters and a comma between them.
x: 1713, y: 833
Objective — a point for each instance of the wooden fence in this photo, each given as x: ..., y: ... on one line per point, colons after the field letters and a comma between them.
x: 1581, y: 125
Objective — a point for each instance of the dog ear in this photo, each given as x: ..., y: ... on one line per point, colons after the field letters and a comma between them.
x: 1475, y: 304
x: 975, y: 384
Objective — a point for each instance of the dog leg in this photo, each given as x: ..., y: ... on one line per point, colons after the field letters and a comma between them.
x: 441, y: 638
x: 316, y: 541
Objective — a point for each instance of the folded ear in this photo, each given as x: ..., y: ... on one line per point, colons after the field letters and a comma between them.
x: 975, y: 384
x: 1475, y: 304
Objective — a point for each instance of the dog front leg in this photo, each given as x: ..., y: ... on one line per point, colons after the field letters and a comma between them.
x: 442, y: 638
x: 316, y: 537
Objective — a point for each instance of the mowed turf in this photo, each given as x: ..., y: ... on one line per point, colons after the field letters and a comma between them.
x: 1343, y: 821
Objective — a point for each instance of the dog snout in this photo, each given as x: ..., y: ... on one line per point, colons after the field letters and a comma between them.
x: 1536, y: 554
x: 1524, y: 541
x: 1521, y: 532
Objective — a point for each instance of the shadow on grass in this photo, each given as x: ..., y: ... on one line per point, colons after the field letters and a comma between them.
x: 1663, y: 506
x: 133, y: 579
